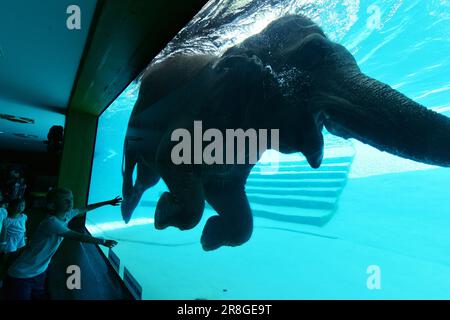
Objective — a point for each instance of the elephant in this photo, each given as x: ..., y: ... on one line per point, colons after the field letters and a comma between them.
x: 289, y: 76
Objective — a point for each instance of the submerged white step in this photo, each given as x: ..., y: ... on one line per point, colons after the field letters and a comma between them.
x: 298, y: 202
x: 317, y: 192
x: 330, y: 160
x: 301, y: 168
x: 292, y: 215
x: 302, y: 183
x: 301, y: 175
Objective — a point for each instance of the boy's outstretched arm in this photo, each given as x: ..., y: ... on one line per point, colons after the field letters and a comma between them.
x: 113, y: 202
x: 73, y: 235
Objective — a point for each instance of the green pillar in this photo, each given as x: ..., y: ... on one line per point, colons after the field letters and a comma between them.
x: 77, y: 156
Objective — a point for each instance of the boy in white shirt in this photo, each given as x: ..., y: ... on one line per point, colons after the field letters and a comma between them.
x: 14, y: 229
x: 3, y: 215
x: 15, y: 226
x: 26, y: 276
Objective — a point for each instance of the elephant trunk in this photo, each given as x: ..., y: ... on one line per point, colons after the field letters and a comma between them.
x: 382, y: 117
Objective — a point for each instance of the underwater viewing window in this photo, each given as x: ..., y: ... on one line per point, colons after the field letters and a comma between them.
x: 365, y: 225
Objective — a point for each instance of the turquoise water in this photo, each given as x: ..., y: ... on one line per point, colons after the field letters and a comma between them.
x: 317, y: 233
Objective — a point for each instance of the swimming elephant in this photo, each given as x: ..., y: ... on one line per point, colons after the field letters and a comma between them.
x: 289, y: 77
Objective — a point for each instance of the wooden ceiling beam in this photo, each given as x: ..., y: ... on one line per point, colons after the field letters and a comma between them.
x: 124, y: 38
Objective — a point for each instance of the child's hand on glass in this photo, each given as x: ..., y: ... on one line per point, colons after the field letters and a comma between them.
x: 115, y: 202
x: 109, y: 243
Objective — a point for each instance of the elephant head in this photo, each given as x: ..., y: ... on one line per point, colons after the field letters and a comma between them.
x: 323, y: 77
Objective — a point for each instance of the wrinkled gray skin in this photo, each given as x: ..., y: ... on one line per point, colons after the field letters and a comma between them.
x: 322, y: 86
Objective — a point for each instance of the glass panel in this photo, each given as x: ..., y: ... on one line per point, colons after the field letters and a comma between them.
x: 367, y: 224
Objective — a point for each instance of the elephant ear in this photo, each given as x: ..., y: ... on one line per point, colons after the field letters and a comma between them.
x: 240, y: 63
x: 231, y: 90
x: 310, y: 53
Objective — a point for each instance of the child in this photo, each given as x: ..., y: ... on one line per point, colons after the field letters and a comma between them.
x: 25, y: 279
x: 14, y: 226
x: 3, y: 215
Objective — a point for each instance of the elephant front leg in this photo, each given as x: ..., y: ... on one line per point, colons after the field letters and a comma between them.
x: 147, y: 177
x: 234, y: 224
x: 182, y: 207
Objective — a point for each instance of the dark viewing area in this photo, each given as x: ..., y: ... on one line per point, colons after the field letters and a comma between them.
x: 75, y: 75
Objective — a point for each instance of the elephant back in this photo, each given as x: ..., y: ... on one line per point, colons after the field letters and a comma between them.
x: 163, y: 78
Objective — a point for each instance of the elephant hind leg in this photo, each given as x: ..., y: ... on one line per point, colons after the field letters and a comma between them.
x: 146, y: 177
x: 234, y: 224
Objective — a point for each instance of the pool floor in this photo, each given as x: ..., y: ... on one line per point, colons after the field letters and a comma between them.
x: 398, y: 222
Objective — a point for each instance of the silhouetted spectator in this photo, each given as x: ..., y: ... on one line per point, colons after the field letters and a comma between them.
x: 15, y: 186
x: 55, y: 138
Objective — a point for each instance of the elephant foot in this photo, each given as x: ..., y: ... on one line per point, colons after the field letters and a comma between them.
x: 131, y: 198
x: 218, y: 232
x: 167, y: 212
x: 213, y: 236
x: 127, y: 207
